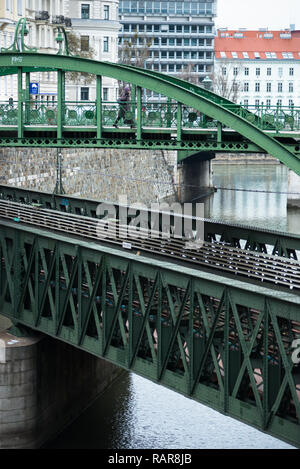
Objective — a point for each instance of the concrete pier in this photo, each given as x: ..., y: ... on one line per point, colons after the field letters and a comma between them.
x: 294, y: 186
x: 44, y: 385
x: 195, y: 177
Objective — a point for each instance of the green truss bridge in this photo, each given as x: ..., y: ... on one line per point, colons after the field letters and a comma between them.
x: 219, y: 323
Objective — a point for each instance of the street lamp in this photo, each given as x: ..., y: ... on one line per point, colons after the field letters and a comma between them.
x: 207, y: 82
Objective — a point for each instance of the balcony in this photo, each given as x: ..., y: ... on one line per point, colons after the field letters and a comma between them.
x: 58, y: 19
x: 41, y: 15
x: 68, y: 22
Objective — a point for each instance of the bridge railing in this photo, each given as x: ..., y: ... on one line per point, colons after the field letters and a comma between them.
x: 158, y: 114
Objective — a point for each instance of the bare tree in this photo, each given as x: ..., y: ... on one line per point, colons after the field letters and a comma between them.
x: 79, y: 46
x: 188, y: 74
x: 135, y: 50
x: 226, y: 80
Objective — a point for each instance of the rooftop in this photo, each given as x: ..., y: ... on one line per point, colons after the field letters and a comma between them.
x: 261, y: 44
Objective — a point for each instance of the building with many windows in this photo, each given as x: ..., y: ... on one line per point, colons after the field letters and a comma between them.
x: 96, y: 25
x: 258, y: 67
x: 177, y: 37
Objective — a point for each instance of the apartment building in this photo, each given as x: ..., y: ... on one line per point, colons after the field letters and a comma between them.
x: 96, y: 25
x: 178, y: 36
x: 259, y: 67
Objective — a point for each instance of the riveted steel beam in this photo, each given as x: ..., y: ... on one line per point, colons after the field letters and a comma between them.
x: 227, y: 344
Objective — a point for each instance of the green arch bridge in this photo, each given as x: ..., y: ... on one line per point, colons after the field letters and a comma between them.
x: 190, y: 119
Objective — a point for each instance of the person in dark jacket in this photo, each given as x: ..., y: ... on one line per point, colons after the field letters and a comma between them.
x: 124, y: 101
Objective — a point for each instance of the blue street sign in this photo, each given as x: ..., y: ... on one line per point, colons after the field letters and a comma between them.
x: 34, y: 88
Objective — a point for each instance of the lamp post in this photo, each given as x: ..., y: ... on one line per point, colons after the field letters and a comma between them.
x: 207, y: 82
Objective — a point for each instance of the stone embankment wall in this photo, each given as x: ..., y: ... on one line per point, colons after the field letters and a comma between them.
x: 103, y: 174
x: 244, y: 158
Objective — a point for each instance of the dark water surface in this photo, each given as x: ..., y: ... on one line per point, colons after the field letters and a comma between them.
x: 136, y: 413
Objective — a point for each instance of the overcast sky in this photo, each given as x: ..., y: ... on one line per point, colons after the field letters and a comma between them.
x: 254, y: 14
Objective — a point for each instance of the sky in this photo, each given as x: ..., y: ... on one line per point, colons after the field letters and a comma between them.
x: 254, y: 14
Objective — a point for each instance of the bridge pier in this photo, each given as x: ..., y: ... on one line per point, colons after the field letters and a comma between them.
x: 195, y: 176
x: 44, y: 385
x: 293, y: 186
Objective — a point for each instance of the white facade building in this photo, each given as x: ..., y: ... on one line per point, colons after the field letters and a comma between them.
x: 259, y: 67
x: 96, y: 24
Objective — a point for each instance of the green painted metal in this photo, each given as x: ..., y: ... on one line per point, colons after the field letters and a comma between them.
x: 222, y: 342
x: 239, y: 236
x: 18, y: 44
x: 206, y: 109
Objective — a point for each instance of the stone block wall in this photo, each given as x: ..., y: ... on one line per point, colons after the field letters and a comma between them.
x: 103, y: 174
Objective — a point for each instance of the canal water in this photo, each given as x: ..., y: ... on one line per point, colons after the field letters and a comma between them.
x: 138, y: 414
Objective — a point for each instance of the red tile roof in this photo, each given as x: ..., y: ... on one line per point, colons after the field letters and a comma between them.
x: 258, y: 41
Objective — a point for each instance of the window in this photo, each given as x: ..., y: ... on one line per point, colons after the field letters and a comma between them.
x: 171, y: 55
x: 20, y: 7
x: 85, y: 11
x: 246, y: 71
x: 257, y: 55
x: 279, y: 102
x: 84, y: 94
x: 280, y: 71
x: 84, y: 43
x: 291, y: 87
x: 269, y: 71
x: 133, y: 7
x: 171, y: 67
x: 223, y: 55
x: 106, y: 12
x: 245, y: 55
x: 105, y: 94
x: 291, y: 103
x: 257, y: 86
x: 105, y: 44
x: 291, y: 72
x: 178, y: 55
x: 257, y: 72
x: 246, y: 102
x: 269, y: 87
x: 257, y: 103
x: 268, y: 103
x: 234, y: 55
x: 246, y: 87
x: 224, y: 71
x: 235, y: 71
x: 280, y: 87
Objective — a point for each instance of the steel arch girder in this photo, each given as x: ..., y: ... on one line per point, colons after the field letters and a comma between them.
x: 159, y: 84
